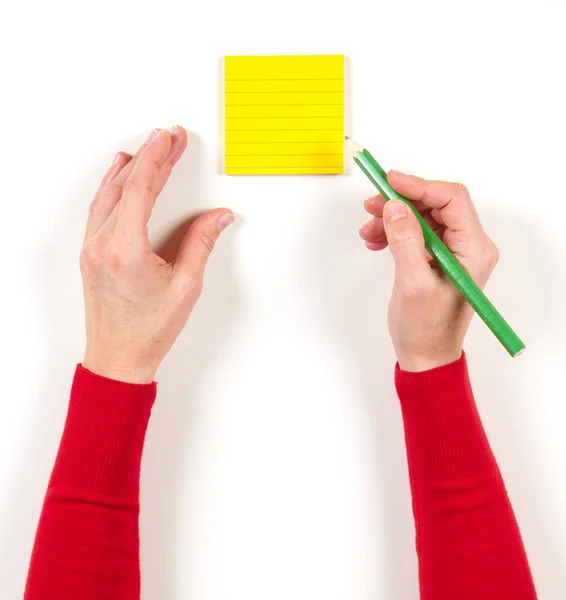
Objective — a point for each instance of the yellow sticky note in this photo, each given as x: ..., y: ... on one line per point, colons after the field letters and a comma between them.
x: 284, y: 115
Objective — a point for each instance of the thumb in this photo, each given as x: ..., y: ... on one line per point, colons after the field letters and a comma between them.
x: 406, y: 242
x: 199, y: 242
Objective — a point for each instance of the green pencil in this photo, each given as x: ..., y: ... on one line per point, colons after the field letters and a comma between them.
x: 444, y: 258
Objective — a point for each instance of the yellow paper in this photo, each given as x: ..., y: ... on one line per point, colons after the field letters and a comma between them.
x: 284, y: 115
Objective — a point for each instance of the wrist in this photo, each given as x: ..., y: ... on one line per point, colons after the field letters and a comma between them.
x: 421, y: 363
x: 127, y: 372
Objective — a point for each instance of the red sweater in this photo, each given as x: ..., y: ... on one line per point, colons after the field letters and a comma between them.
x: 468, y: 543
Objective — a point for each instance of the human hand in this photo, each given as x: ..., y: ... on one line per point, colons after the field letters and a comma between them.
x: 136, y: 303
x: 428, y: 317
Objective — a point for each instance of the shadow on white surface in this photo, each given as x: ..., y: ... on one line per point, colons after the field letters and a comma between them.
x: 356, y: 315
x: 57, y: 277
x: 523, y: 284
x: 168, y: 460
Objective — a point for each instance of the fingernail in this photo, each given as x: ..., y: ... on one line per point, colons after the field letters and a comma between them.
x: 366, y: 226
x: 395, y: 210
x: 117, y: 159
x: 224, y: 220
x: 174, y: 130
x: 368, y: 202
x: 152, y: 136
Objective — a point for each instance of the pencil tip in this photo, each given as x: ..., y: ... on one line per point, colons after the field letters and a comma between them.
x: 353, y: 146
x: 347, y: 137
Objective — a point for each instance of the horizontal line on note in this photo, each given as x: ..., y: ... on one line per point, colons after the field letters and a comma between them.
x: 285, y: 171
x: 288, y: 79
x: 290, y: 141
x: 313, y: 154
x: 287, y: 130
x: 291, y: 92
x: 288, y: 167
x: 305, y: 86
x: 292, y: 104
x: 253, y: 118
x: 283, y: 149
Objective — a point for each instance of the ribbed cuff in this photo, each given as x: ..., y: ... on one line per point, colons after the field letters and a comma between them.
x: 101, y: 447
x: 444, y: 435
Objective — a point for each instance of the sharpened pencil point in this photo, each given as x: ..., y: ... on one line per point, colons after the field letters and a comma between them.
x: 354, y: 147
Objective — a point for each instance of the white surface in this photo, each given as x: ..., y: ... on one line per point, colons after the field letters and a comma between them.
x: 274, y: 466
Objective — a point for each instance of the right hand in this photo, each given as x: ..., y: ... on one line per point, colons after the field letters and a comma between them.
x: 428, y: 317
x: 137, y: 303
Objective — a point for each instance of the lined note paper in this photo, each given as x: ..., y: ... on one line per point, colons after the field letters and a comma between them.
x: 284, y: 115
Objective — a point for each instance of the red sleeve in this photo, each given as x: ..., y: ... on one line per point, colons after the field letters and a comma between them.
x: 468, y: 543
x: 87, y: 542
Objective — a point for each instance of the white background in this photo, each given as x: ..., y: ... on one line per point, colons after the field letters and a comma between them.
x: 274, y: 466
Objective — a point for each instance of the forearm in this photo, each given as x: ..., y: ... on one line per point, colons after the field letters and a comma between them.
x: 87, y: 543
x: 468, y: 542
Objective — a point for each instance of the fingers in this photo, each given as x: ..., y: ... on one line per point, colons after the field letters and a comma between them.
x: 381, y: 245
x: 375, y: 205
x: 198, y: 243
x: 111, y: 193
x: 373, y: 232
x: 406, y: 242
x: 178, y: 146
x: 138, y: 194
x: 103, y: 201
x: 110, y: 190
x: 120, y: 161
x: 118, y: 182
x: 454, y: 207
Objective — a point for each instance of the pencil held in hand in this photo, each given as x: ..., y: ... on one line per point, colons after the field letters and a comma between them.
x: 449, y: 264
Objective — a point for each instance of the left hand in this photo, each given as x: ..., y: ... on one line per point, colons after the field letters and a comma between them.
x: 136, y: 302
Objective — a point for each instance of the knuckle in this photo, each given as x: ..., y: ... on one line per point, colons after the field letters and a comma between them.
x: 93, y: 207
x: 135, y: 186
x: 105, y: 197
x: 151, y: 163
x: 117, y: 258
x: 405, y: 238
x: 110, y: 192
x: 189, y: 285
x: 491, y: 253
x: 207, y: 241
x: 91, y: 255
x: 461, y: 190
x: 417, y: 289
